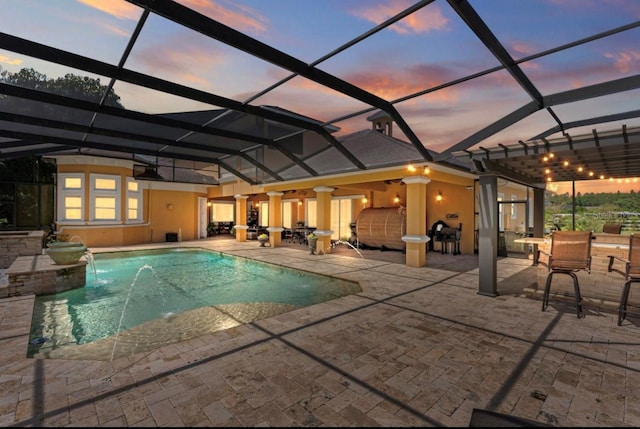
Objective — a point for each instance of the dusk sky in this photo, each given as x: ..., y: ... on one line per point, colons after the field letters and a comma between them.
x: 428, y: 48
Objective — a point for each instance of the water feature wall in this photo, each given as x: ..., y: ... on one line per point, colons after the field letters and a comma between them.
x: 29, y: 271
x: 19, y: 243
x: 40, y: 276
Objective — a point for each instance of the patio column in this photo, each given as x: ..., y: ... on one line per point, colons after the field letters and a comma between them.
x: 538, y: 212
x: 275, y: 218
x: 241, y: 217
x: 488, y: 236
x: 416, y: 232
x: 323, y: 219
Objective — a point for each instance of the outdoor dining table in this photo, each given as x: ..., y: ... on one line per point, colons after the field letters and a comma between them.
x: 301, y: 233
x: 535, y: 241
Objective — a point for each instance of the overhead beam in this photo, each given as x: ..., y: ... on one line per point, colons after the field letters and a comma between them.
x: 579, y: 94
x: 118, y: 149
x: 229, y: 36
x: 48, y: 123
x: 59, y: 56
x: 486, y: 36
x: 164, y: 121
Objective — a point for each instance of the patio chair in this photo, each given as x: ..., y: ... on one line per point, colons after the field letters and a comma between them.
x: 287, y: 235
x: 612, y: 228
x: 570, y: 253
x: 631, y: 273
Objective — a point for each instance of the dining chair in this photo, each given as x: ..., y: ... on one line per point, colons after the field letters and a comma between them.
x: 570, y: 252
x: 631, y: 273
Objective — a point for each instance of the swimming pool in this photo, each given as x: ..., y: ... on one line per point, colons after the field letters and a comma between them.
x: 133, y: 296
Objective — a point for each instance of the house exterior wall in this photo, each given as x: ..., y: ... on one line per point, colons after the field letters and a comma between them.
x: 167, y: 207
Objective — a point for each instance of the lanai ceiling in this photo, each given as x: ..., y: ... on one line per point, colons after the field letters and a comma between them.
x: 228, y: 88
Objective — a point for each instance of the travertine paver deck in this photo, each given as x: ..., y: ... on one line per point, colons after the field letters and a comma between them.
x: 417, y: 347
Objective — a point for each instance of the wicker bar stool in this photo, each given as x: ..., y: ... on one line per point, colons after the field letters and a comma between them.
x: 570, y: 253
x: 631, y: 273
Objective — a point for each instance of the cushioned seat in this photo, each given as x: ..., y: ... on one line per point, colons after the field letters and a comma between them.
x: 631, y: 273
x: 612, y: 228
x: 570, y: 253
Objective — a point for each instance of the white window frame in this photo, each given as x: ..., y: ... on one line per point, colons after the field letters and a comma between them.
x: 137, y: 195
x: 63, y: 193
x: 116, y: 194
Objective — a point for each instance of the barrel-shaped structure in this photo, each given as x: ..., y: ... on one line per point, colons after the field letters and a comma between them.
x: 381, y: 227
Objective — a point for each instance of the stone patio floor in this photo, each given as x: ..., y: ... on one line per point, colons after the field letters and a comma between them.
x: 417, y: 347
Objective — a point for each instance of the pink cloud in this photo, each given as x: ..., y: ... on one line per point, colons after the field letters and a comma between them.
x: 119, y: 9
x: 11, y: 61
x: 625, y: 61
x: 427, y: 19
x: 521, y: 48
x: 168, y: 62
x: 394, y: 84
x: 231, y: 14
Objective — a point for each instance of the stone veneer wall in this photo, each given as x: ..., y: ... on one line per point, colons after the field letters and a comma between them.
x: 19, y: 243
x: 40, y: 276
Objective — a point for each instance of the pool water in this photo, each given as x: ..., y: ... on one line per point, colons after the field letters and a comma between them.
x: 126, y: 289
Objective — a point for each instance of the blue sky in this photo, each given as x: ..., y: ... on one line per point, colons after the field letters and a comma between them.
x: 426, y: 49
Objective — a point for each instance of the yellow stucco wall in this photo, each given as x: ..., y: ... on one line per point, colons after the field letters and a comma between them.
x: 166, y: 207
x: 174, y: 209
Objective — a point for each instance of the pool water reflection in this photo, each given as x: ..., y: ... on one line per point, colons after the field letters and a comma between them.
x: 139, y: 295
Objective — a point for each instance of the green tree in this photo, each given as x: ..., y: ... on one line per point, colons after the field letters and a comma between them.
x: 70, y: 85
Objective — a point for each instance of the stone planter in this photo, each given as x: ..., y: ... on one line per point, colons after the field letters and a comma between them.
x: 312, y: 245
x: 68, y: 255
x: 263, y: 241
x: 59, y: 244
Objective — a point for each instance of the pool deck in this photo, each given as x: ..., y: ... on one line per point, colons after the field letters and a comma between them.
x: 417, y: 347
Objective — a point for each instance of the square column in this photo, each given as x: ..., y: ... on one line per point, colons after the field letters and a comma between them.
x: 416, y: 236
x: 488, y: 236
x: 323, y: 218
x: 275, y: 218
x: 241, y: 217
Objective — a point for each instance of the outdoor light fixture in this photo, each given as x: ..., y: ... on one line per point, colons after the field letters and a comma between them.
x: 426, y: 170
x: 396, y: 199
x: 439, y: 196
x: 411, y: 168
x: 365, y: 200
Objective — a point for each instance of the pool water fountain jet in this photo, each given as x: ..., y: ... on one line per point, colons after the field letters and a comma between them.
x: 91, y: 261
x: 368, y: 270
x: 124, y: 307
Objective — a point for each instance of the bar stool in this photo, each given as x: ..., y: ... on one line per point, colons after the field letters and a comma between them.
x: 570, y: 253
x: 631, y: 273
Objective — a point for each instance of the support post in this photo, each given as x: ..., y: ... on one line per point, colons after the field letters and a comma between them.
x: 323, y: 219
x: 241, y: 217
x: 488, y: 236
x: 416, y: 233
x: 275, y: 218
